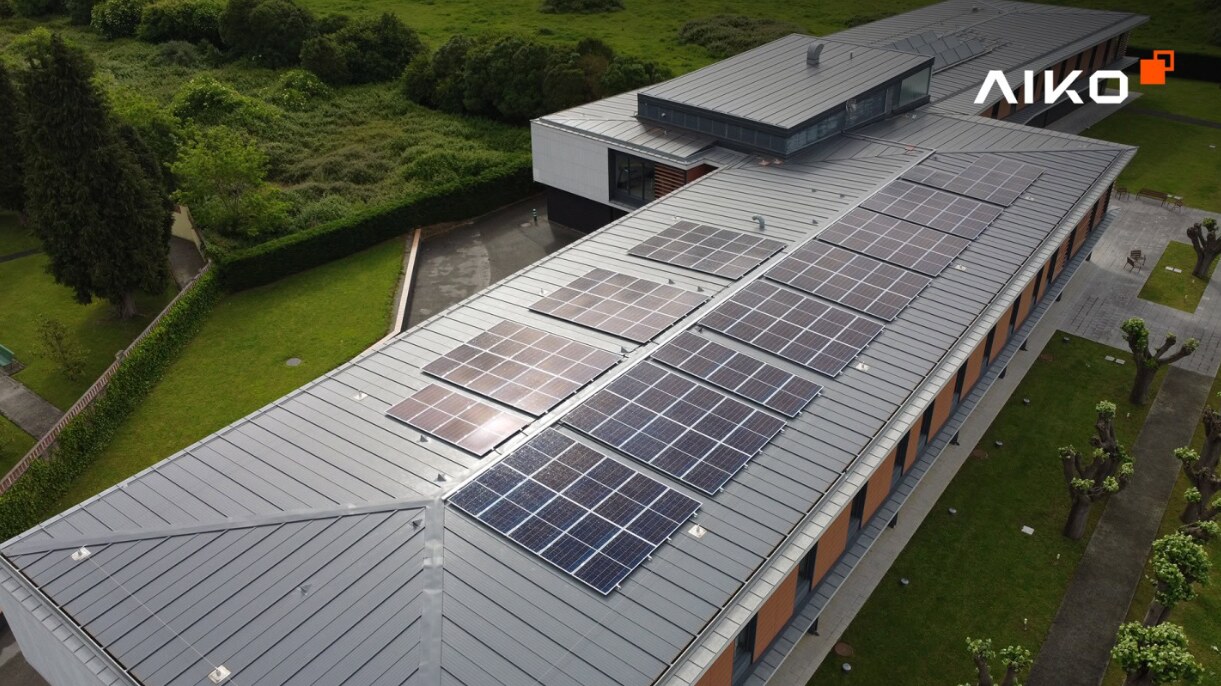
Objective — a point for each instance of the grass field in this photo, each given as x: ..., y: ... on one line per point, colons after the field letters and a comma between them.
x: 14, y: 238
x: 1180, y: 159
x: 1197, y: 99
x: 235, y: 364
x: 1181, y: 291
x: 30, y: 295
x: 975, y: 574
x: 13, y: 444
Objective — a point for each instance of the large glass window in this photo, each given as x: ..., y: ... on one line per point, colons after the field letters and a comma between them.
x: 856, y: 516
x: 805, y: 576
x: 865, y: 108
x: 632, y: 178
x: 913, y: 88
x: 744, y: 651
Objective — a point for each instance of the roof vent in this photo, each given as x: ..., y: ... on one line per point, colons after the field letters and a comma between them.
x: 812, y: 53
x: 762, y: 222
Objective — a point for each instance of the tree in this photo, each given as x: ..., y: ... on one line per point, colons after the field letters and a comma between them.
x: 629, y: 73
x: 1152, y: 655
x: 55, y: 344
x: 1202, y: 470
x: 1103, y: 473
x: 102, y: 220
x: 221, y: 176
x: 1014, y: 660
x: 1179, y: 564
x: 268, y: 31
x: 12, y: 190
x: 117, y: 18
x: 1207, y: 245
x: 1148, y: 362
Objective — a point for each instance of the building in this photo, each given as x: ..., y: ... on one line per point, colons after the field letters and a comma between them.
x: 689, y: 426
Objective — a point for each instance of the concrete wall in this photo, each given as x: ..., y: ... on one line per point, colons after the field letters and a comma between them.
x: 570, y: 163
x: 51, y: 653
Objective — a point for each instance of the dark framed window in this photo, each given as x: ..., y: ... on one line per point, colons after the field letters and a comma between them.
x: 805, y: 576
x: 631, y: 178
x: 960, y: 380
x: 988, y: 343
x: 744, y: 651
x: 1038, y: 284
x: 1051, y: 268
x: 900, y: 461
x: 856, y: 517
x: 1013, y: 315
x: 926, y: 423
x: 996, y: 111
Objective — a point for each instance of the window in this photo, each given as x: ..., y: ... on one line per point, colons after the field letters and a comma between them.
x: 857, y: 516
x: 988, y: 342
x: 865, y: 108
x: 900, y: 461
x: 1013, y: 315
x: 1038, y: 283
x: 744, y: 651
x: 913, y: 88
x: 631, y: 178
x: 805, y: 576
x: 925, y: 424
x: 959, y: 382
x: 1051, y: 268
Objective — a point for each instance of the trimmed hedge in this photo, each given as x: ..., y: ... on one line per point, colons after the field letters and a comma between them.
x: 35, y: 495
x: 275, y: 259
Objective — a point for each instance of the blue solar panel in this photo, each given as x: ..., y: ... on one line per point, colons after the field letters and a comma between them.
x: 593, y: 517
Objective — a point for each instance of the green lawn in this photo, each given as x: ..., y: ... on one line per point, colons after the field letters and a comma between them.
x: 974, y: 573
x: 14, y: 238
x: 1197, y: 99
x: 13, y: 444
x: 30, y: 294
x: 1181, y: 291
x: 235, y: 364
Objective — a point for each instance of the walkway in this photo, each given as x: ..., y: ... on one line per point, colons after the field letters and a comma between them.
x: 25, y: 408
x: 20, y: 254
x: 1181, y: 118
x: 1078, y: 646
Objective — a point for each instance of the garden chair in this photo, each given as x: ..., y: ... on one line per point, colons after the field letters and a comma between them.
x: 1136, y: 260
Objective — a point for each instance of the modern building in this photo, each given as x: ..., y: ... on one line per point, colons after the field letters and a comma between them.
x: 655, y: 455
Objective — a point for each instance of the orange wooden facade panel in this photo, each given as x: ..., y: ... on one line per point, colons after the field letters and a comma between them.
x: 942, y: 407
x: 775, y: 613
x: 975, y: 363
x: 1027, y: 301
x: 721, y: 671
x: 831, y: 544
x: 879, y: 485
x: 667, y: 179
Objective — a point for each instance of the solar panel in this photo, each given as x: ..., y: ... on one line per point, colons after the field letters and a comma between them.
x: 946, y: 51
x: 895, y: 241
x: 793, y: 326
x: 585, y: 513
x: 859, y: 282
x: 523, y: 367
x: 933, y: 208
x: 635, y: 309
x: 766, y: 384
x: 993, y: 178
x: 708, y: 249
x: 698, y: 435
x: 467, y: 423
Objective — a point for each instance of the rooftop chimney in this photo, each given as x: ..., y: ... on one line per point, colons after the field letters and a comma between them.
x: 812, y: 54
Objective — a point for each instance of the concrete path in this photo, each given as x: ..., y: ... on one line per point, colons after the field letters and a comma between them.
x: 25, y: 408
x: 185, y: 260
x: 20, y: 254
x: 1078, y: 646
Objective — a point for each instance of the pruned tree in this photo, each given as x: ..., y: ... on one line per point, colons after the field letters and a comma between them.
x: 103, y: 221
x: 1148, y: 361
x: 1207, y: 244
x: 1200, y: 515
x: 1152, y: 655
x: 12, y: 188
x: 1014, y: 660
x: 1093, y: 477
x: 1180, y: 563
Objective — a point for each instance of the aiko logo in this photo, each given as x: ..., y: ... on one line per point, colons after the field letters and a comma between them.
x: 1152, y: 73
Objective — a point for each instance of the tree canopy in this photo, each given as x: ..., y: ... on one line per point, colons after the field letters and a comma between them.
x: 12, y: 188
x: 1096, y: 475
x: 1148, y: 361
x: 1154, y: 654
x: 1179, y: 563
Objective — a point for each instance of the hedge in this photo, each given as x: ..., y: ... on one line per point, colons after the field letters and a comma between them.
x: 33, y: 497
x: 278, y: 258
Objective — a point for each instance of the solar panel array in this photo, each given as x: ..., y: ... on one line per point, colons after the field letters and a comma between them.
x: 794, y: 326
x: 635, y: 309
x: 764, y: 383
x: 708, y: 249
x: 523, y: 367
x: 895, y: 241
x: 583, y: 512
x: 992, y: 178
x: 463, y: 421
x: 859, y: 282
x: 696, y: 434
x: 933, y: 208
x: 946, y: 51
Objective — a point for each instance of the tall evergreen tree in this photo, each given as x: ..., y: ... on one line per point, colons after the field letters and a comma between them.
x: 12, y: 193
x: 103, y: 221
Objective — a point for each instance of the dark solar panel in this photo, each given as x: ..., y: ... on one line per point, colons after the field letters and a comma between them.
x: 859, y: 282
x: 456, y: 418
x: 635, y: 309
x: 583, y: 512
x: 946, y: 51
x: 933, y: 208
x: 793, y: 326
x: 766, y: 384
x: 995, y: 179
x: 523, y: 367
x: 696, y: 434
x: 708, y: 249
x: 895, y: 241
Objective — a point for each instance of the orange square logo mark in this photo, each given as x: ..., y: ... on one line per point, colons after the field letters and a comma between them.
x: 1153, y: 71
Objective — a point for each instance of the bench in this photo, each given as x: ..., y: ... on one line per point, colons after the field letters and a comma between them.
x: 1159, y: 196
x: 1121, y: 192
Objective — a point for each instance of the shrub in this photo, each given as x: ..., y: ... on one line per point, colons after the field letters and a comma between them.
x: 725, y: 35
x: 35, y: 8
x: 630, y: 73
x: 80, y: 11
x: 327, y: 209
x: 364, y: 51
x: 55, y: 344
x: 182, y: 20
x: 208, y: 102
x: 580, y: 6
x: 222, y: 177
x: 6, y: 9
x: 322, y: 56
x: 159, y: 129
x: 32, y: 498
x: 331, y: 23
x: 117, y: 18
x: 268, y: 31
x: 178, y: 53
x: 298, y: 90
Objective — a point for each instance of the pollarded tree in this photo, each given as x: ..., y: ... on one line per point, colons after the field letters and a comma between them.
x: 12, y: 189
x: 1201, y: 469
x: 1149, y: 361
x: 1179, y: 564
x: 1207, y: 245
x: 103, y: 221
x: 1093, y: 477
x: 1152, y: 655
x: 1014, y: 660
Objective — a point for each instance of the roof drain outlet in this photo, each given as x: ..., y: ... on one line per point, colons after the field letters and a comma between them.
x: 762, y: 223
x: 812, y: 54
